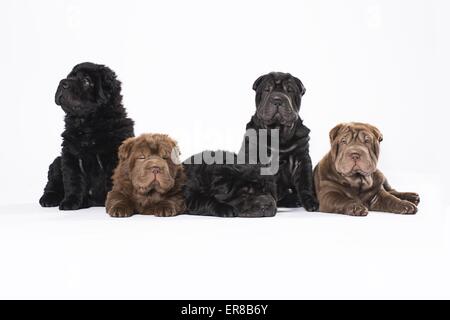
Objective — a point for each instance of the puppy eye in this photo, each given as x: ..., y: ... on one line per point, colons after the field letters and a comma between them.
x: 366, y: 140
x: 268, y: 89
x: 86, y: 82
x: 141, y: 157
x: 247, y: 190
x: 344, y: 141
x: 290, y: 89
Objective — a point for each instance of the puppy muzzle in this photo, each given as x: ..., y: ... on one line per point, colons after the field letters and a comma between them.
x: 356, y: 160
x: 277, y: 110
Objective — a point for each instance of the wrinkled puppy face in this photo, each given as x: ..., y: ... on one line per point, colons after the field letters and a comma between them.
x: 152, y: 160
x: 86, y: 88
x: 355, y: 148
x: 242, y: 187
x: 278, y: 99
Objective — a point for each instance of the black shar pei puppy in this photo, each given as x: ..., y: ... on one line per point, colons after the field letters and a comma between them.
x: 278, y: 100
x: 96, y: 123
x: 227, y: 190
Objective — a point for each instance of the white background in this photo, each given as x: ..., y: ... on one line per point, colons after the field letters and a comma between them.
x: 187, y: 69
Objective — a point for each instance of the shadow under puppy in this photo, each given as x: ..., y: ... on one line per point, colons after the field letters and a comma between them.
x: 227, y: 190
x: 148, y: 179
x: 96, y: 123
x: 347, y: 180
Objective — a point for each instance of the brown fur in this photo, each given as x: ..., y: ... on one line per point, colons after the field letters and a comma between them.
x: 347, y: 180
x: 148, y: 179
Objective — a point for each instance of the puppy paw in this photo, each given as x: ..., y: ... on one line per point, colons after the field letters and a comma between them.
x: 50, y: 199
x: 269, y: 212
x: 291, y: 200
x: 310, y: 203
x: 356, y: 209
x: 410, y: 196
x: 406, y: 207
x: 120, y: 212
x: 224, y: 210
x: 165, y: 212
x: 70, y: 203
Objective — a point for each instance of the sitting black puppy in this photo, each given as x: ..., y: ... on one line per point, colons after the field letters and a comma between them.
x: 227, y: 190
x: 96, y: 123
x: 278, y: 100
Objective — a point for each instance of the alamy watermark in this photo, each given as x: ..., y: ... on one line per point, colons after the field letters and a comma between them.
x: 255, y: 149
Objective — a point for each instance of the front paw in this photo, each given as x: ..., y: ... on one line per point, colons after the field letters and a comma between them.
x: 411, y: 197
x: 168, y: 211
x: 224, y: 210
x: 309, y: 202
x: 70, y: 203
x: 356, y: 209
x: 406, y: 207
x: 120, y: 212
x: 50, y: 199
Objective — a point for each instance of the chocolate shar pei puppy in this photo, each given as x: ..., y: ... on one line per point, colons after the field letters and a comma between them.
x: 148, y: 179
x: 347, y: 180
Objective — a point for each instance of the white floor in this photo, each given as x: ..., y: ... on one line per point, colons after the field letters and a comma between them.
x: 49, y: 254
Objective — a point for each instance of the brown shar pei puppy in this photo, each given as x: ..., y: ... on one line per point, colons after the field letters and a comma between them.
x: 347, y: 180
x: 148, y: 178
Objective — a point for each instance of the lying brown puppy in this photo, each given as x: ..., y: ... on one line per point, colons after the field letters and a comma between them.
x: 347, y: 179
x: 148, y: 178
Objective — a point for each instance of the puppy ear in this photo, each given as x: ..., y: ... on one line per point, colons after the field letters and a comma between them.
x: 101, y: 93
x: 376, y: 132
x: 109, y: 85
x: 175, y: 154
x: 300, y: 85
x: 335, y: 131
x: 258, y: 82
x: 125, y: 148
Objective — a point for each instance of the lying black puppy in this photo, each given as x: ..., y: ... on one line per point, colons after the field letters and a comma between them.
x: 278, y: 100
x: 96, y: 123
x: 228, y: 190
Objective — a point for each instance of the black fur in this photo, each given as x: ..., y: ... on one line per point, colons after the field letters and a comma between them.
x: 228, y: 190
x: 278, y: 101
x: 96, y: 123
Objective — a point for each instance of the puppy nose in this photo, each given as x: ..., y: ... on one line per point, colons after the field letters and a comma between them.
x: 267, y: 210
x: 64, y: 84
x: 265, y: 205
x: 355, y: 156
x: 156, y: 170
x: 277, y: 101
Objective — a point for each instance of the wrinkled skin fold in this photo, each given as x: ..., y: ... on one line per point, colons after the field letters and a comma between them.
x: 278, y: 100
x: 347, y: 180
x: 148, y: 179
x: 228, y: 190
